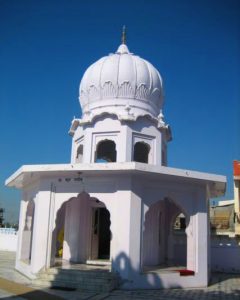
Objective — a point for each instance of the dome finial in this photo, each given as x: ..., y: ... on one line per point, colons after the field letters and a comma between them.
x: 124, y: 35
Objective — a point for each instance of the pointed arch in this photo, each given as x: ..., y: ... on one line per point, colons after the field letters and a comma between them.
x: 79, y: 154
x: 106, y: 151
x: 82, y: 230
x: 161, y: 247
x: 141, y: 152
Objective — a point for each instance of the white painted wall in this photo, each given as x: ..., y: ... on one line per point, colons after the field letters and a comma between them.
x: 225, y: 254
x: 8, y: 240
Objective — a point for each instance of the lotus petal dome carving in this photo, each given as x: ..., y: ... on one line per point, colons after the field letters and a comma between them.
x: 121, y: 80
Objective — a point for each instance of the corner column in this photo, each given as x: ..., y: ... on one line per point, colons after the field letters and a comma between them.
x: 40, y: 231
x: 22, y: 217
x: 200, y: 232
x: 126, y: 244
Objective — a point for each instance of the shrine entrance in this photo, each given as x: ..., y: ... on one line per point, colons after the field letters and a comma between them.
x: 101, y: 234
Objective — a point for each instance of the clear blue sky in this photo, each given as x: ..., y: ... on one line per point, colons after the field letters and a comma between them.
x: 45, y: 46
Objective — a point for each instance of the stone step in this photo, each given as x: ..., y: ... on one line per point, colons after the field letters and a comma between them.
x: 87, y: 273
x: 101, y: 287
x: 78, y: 279
x: 98, y: 262
x: 83, y: 280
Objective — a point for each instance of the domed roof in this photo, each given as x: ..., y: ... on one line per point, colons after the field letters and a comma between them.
x: 122, y: 84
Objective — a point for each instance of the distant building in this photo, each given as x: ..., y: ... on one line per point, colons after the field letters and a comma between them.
x: 225, y: 216
x: 222, y: 217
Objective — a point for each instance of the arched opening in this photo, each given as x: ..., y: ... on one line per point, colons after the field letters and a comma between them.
x: 106, y: 151
x: 141, y: 152
x: 162, y: 246
x: 27, y: 235
x: 79, y: 155
x: 82, y: 231
x: 179, y: 224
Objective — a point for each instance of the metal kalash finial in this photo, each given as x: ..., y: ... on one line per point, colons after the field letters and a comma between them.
x: 124, y: 35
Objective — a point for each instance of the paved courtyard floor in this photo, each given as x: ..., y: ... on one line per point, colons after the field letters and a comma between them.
x: 14, y: 286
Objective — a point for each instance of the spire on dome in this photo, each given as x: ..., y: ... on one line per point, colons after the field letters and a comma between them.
x: 124, y: 35
x: 123, y: 49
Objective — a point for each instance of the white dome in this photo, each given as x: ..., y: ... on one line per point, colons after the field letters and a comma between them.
x: 122, y: 84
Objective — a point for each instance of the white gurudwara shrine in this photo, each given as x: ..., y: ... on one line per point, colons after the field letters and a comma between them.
x: 117, y: 204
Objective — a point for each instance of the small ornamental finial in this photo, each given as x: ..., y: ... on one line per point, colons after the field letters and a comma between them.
x: 124, y: 35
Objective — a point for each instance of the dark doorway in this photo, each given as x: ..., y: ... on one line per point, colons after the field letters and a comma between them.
x: 104, y: 234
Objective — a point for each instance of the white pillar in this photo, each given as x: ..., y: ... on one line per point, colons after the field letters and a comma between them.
x: 191, y: 243
x: 202, y: 246
x: 77, y: 229
x: 126, y: 231
x: 198, y: 238
x: 40, y: 231
x: 22, y: 217
x: 71, y: 230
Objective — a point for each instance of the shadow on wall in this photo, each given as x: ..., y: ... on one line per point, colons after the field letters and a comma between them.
x: 122, y: 264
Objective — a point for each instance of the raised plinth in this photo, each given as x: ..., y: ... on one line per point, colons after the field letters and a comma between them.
x: 82, y: 278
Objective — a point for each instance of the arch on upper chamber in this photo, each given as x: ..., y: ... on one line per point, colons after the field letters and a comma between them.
x: 106, y: 151
x: 141, y: 152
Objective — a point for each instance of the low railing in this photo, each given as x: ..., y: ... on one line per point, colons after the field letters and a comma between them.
x: 5, y: 230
